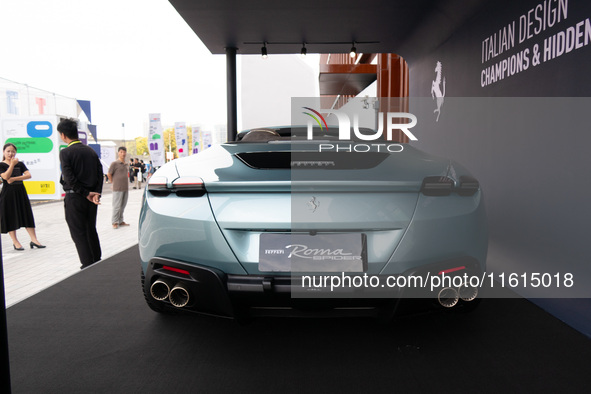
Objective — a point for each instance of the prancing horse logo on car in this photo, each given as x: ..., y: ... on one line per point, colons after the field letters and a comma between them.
x: 313, y: 204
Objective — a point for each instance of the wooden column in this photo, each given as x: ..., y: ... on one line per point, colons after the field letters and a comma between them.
x: 392, y: 89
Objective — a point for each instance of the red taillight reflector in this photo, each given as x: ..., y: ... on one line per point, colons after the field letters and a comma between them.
x: 452, y: 270
x: 177, y: 270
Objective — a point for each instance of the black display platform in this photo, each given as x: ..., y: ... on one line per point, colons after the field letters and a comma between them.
x: 93, y: 332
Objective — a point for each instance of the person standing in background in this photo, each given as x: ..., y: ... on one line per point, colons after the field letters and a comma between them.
x: 15, y: 207
x: 82, y: 180
x: 118, y: 177
x: 131, y: 172
x: 137, y: 167
x: 149, y: 169
x: 143, y: 170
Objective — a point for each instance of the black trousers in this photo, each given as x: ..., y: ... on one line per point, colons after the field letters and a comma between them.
x: 81, y: 219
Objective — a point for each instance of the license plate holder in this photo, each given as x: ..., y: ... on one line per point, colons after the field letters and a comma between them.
x: 321, y: 252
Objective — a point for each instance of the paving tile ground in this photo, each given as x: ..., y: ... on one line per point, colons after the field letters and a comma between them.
x: 30, y: 271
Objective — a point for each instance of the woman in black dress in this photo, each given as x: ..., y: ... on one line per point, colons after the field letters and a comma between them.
x: 15, y: 207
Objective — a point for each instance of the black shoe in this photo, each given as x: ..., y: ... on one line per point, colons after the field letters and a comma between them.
x: 34, y: 245
x: 15, y: 248
x: 88, y: 265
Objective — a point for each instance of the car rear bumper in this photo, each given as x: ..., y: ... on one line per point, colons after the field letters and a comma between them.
x: 211, y: 291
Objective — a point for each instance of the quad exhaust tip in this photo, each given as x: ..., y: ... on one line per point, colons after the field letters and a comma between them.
x: 160, y: 290
x: 179, y: 296
x: 449, y: 297
x: 468, y: 293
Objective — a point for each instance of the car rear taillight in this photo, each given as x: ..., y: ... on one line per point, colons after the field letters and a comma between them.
x: 437, y: 186
x: 468, y: 186
x: 444, y: 186
x: 157, y: 183
x: 188, y: 183
x: 157, y: 186
x: 188, y: 186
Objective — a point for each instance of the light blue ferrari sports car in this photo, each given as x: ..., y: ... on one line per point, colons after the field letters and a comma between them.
x: 277, y: 223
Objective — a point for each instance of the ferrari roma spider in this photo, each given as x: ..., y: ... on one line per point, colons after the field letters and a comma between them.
x: 275, y: 223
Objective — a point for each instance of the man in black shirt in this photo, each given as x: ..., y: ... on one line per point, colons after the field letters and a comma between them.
x: 82, y: 180
x: 137, y: 168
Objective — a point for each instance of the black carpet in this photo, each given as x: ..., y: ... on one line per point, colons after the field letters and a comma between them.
x: 94, y: 333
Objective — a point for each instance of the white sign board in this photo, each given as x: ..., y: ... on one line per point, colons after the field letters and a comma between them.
x: 38, y: 144
x: 156, y: 141
x: 182, y: 142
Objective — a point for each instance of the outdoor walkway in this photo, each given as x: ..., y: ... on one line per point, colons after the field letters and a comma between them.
x: 30, y: 271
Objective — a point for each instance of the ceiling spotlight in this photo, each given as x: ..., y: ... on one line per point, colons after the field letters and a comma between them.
x: 264, y: 51
x: 304, y: 50
x: 353, y: 52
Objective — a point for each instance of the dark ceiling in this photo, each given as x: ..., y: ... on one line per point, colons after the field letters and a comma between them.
x: 405, y: 27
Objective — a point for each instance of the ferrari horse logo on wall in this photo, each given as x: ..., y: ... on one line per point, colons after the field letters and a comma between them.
x: 436, y: 91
